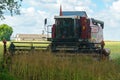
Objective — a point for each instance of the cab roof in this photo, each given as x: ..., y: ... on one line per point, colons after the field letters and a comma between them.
x: 73, y: 13
x: 73, y: 17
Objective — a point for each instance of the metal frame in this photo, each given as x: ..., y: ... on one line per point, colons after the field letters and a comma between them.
x: 73, y: 17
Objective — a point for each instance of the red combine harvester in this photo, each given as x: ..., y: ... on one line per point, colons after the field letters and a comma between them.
x: 74, y: 31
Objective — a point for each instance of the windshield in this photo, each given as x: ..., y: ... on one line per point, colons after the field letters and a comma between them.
x: 64, y: 27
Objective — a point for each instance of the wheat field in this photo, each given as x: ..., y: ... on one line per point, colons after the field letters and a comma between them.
x: 46, y: 66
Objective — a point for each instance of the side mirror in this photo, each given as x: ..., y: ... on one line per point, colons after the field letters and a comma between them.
x: 102, y: 26
x: 45, y: 21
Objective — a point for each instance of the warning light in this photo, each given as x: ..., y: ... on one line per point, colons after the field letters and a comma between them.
x: 83, y: 27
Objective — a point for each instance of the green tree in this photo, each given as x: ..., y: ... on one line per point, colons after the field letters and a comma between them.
x: 12, y: 6
x: 5, y: 32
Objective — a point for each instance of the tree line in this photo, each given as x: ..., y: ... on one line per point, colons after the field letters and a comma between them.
x: 5, y: 32
x: 13, y: 6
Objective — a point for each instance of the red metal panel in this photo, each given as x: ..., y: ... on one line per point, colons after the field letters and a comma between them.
x: 53, y: 31
x: 85, y: 34
x: 89, y: 29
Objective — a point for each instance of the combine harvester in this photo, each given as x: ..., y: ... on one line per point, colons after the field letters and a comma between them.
x: 73, y: 31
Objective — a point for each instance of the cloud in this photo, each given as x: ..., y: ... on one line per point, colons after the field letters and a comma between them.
x: 112, y: 14
x: 30, y: 21
x: 111, y: 18
x: 116, y: 6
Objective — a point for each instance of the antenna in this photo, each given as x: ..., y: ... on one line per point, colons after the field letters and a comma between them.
x: 60, y: 11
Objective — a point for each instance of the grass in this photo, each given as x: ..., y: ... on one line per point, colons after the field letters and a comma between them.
x: 1, y: 50
x: 4, y: 73
x: 46, y: 66
x: 114, y: 47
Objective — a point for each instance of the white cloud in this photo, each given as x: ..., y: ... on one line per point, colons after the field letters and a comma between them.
x: 113, y: 14
x: 111, y: 18
x: 33, y: 3
x: 107, y: 1
x: 30, y: 21
x: 116, y: 6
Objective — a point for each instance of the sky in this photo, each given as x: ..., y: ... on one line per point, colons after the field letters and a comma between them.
x: 33, y: 13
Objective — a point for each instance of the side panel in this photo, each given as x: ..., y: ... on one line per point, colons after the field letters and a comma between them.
x: 96, y: 34
x: 86, y: 31
x: 100, y: 35
x: 53, y: 31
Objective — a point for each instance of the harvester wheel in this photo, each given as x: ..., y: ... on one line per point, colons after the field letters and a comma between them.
x: 105, y: 54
